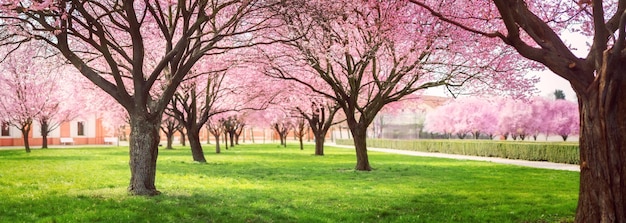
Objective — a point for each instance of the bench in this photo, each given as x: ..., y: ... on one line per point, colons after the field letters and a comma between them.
x: 67, y: 141
x: 110, y: 140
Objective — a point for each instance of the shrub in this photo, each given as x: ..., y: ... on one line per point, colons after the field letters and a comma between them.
x: 556, y: 152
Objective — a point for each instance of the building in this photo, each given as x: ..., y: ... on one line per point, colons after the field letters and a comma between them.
x: 80, y: 131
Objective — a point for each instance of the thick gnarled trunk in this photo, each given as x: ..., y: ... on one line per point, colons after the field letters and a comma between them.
x: 603, y: 150
x: 359, y: 135
x: 144, y: 142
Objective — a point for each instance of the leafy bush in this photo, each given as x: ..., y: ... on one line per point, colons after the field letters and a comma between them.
x: 534, y: 151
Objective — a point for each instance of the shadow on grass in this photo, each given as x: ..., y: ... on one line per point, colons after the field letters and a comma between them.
x: 163, y: 208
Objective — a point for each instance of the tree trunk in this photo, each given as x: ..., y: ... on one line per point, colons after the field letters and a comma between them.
x: 319, y: 143
x: 359, y: 135
x: 231, y: 135
x: 301, y: 143
x: 170, y: 140
x: 44, y: 135
x: 603, y: 151
x: 226, y: 140
x: 251, y: 134
x: 25, y: 129
x: 183, y: 139
x: 217, y: 143
x: 144, y: 143
x: 193, y: 135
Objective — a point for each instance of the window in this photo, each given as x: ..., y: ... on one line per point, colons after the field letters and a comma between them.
x: 5, y: 129
x: 81, y: 128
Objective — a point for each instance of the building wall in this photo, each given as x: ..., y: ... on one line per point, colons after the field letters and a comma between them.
x: 93, y: 133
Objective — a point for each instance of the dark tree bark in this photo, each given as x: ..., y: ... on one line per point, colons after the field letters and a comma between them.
x: 144, y: 142
x: 282, y: 129
x: 196, y: 148
x: 25, y: 127
x: 215, y: 128
x: 231, y: 136
x: 217, y: 143
x: 359, y: 134
x: 183, y: 138
x: 238, y: 131
x: 169, y: 127
x: 603, y: 148
x: 44, y: 134
x: 320, y: 120
x: 299, y: 130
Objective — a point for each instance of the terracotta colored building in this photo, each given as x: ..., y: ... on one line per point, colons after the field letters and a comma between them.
x: 81, y: 131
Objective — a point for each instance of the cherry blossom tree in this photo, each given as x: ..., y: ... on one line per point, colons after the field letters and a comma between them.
x: 216, y: 128
x: 29, y: 91
x: 372, y: 53
x: 299, y: 130
x: 515, y: 118
x: 282, y: 128
x: 506, y: 117
x: 321, y: 117
x: 193, y: 104
x: 439, y: 121
x: 536, y: 30
x: 233, y: 125
x: 138, y: 52
x: 169, y: 126
x: 565, y: 120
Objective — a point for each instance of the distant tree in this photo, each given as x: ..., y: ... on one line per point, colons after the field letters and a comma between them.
x: 559, y: 95
x: 299, y: 130
x: 216, y: 128
x: 565, y: 120
x: 29, y: 91
x: 233, y: 126
x: 169, y: 126
x: 282, y: 128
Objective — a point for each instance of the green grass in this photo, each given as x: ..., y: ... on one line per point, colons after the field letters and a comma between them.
x: 266, y: 183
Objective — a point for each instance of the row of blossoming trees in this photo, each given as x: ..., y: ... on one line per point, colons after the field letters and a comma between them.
x: 505, y: 117
x: 358, y: 55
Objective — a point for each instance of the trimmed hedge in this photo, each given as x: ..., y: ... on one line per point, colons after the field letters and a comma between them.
x: 534, y: 151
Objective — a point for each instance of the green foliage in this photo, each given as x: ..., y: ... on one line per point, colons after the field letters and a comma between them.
x: 266, y: 183
x: 559, y: 95
x: 557, y: 152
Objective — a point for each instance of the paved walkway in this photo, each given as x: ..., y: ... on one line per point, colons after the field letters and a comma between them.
x: 535, y: 164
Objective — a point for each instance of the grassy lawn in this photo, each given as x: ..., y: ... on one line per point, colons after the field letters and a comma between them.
x: 266, y: 183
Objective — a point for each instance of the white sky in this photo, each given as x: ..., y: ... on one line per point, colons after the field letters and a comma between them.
x: 549, y: 82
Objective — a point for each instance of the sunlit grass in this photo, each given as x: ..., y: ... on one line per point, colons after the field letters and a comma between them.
x: 266, y: 183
